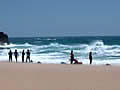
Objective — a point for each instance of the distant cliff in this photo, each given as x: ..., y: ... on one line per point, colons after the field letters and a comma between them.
x: 3, y: 38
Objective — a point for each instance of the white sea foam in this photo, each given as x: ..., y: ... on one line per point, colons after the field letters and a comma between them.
x: 48, y: 39
x: 14, y: 45
x: 57, y: 53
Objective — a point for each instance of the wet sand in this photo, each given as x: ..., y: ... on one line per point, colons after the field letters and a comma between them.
x: 23, y: 76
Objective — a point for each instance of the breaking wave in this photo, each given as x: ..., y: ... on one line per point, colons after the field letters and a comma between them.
x: 57, y: 53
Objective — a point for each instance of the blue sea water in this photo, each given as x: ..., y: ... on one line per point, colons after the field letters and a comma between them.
x: 106, y: 49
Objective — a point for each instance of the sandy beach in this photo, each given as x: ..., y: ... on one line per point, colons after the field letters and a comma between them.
x: 25, y: 76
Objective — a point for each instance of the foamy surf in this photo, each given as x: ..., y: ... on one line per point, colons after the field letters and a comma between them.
x: 57, y: 50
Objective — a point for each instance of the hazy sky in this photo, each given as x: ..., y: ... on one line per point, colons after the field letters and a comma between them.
x: 60, y: 17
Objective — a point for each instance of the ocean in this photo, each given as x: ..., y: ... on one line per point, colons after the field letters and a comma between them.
x: 106, y: 49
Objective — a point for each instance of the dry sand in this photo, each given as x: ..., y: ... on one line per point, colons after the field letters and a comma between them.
x: 18, y: 76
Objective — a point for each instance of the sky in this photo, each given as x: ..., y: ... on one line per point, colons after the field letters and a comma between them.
x: 35, y: 18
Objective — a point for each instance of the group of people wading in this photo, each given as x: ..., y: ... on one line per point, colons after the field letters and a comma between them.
x: 16, y: 55
x: 72, y: 59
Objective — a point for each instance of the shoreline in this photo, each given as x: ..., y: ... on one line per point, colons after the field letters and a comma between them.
x: 106, y: 64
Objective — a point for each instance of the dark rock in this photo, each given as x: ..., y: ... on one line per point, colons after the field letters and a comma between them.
x: 39, y: 62
x: 31, y: 61
x: 108, y: 64
x: 63, y: 63
x: 3, y: 38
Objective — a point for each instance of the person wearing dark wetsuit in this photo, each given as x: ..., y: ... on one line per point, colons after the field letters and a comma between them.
x: 23, y: 54
x: 10, y: 56
x: 71, y: 57
x: 76, y: 61
x: 16, y: 54
x: 28, y: 55
x: 90, y: 57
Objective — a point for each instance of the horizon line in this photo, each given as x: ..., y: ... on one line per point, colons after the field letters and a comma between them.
x: 65, y: 36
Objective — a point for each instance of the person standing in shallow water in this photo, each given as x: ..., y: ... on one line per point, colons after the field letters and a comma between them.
x: 71, y: 57
x: 90, y: 57
x: 10, y: 56
x: 23, y: 54
x: 16, y: 54
x: 28, y: 55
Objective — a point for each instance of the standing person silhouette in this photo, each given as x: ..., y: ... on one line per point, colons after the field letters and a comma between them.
x: 23, y: 54
x: 16, y: 54
x: 71, y: 57
x: 28, y: 55
x: 10, y: 56
x: 90, y: 57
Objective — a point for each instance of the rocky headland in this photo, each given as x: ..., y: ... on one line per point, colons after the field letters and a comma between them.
x: 3, y: 38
